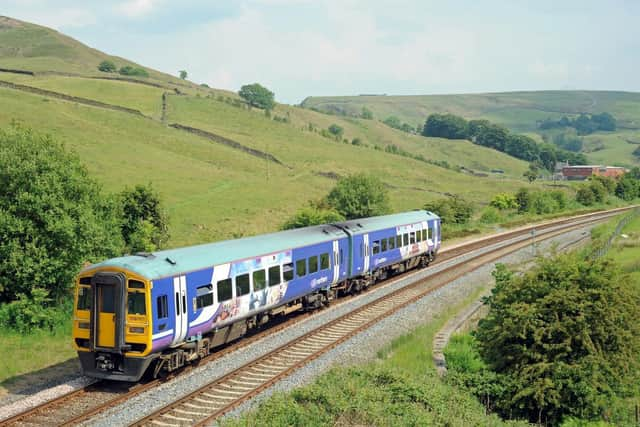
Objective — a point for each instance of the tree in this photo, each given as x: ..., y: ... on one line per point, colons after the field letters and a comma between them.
x: 359, y: 196
x: 585, y: 196
x: 523, y: 200
x: 445, y: 126
x: 183, y: 74
x: 493, y: 136
x: 337, y: 131
x: 53, y: 217
x: 258, y: 96
x: 548, y: 157
x: 628, y: 188
x: 312, y: 215
x: 144, y: 224
x: 107, y: 66
x: 605, y: 121
x: 366, y: 114
x: 522, y: 147
x: 566, y: 336
x: 532, y: 173
x: 475, y: 127
x: 128, y: 70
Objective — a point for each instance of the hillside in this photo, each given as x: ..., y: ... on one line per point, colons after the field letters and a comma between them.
x: 224, y: 170
x: 519, y: 111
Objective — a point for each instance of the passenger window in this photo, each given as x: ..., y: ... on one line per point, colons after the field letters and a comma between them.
x: 392, y: 243
x: 274, y: 275
x: 313, y: 264
x: 405, y: 239
x: 424, y: 234
x: 287, y: 272
x: 107, y: 299
x: 383, y: 245
x: 340, y: 256
x: 242, y: 284
x: 431, y: 233
x: 412, y: 237
x: 225, y: 290
x: 162, y: 306
x: 399, y: 241
x: 418, y: 236
x: 376, y: 247
x: 259, y: 280
x: 324, y: 261
x: 136, y: 303
x: 301, y: 267
x: 361, y: 250
x: 84, y: 298
x: 204, y: 296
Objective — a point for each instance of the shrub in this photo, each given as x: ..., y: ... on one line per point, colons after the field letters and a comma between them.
x: 144, y: 223
x: 336, y: 130
x: 128, y: 70
x: 107, y: 67
x: 490, y: 215
x: 523, y: 200
x: 451, y: 211
x: 504, y: 201
x: 584, y: 196
x: 312, y: 215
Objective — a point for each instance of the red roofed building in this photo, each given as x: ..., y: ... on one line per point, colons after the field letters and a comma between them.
x: 585, y: 171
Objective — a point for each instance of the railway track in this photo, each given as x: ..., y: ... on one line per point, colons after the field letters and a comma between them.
x: 211, y: 401
x: 249, y: 380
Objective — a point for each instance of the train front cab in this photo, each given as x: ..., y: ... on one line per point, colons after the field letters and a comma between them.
x: 112, y: 325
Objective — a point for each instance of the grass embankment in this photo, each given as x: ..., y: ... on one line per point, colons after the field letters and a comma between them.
x: 400, y: 387
x: 22, y: 354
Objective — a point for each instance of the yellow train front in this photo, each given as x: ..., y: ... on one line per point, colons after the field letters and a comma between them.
x: 112, y: 323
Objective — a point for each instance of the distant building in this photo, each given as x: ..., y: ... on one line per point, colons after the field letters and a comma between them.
x: 585, y: 171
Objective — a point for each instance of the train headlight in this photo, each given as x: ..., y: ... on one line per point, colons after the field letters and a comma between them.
x: 136, y: 330
x: 83, y: 325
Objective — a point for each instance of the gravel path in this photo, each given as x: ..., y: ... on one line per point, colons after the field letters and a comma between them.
x: 360, y: 348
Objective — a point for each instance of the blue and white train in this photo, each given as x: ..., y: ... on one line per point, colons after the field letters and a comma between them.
x: 172, y: 307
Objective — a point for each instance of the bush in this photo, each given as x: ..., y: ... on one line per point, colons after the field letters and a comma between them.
x: 567, y: 336
x: 628, y: 188
x: 35, y: 311
x: 504, y: 201
x: 523, y: 200
x: 490, y: 215
x: 359, y: 196
x: 312, y: 215
x: 53, y: 217
x: 584, y: 196
x: 107, y: 67
x: 336, y: 130
x: 128, y: 70
x: 451, y: 211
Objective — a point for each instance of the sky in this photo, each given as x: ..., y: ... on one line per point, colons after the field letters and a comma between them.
x: 300, y: 48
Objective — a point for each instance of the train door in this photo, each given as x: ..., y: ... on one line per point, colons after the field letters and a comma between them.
x: 180, y: 299
x: 108, y: 309
x: 337, y: 265
x: 365, y: 242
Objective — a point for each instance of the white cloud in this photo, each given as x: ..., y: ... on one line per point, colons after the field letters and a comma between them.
x: 136, y: 8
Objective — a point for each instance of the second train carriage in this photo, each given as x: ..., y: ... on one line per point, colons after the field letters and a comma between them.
x: 173, y: 306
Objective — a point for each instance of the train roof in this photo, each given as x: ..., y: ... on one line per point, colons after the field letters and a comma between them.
x: 172, y: 262
x: 367, y: 225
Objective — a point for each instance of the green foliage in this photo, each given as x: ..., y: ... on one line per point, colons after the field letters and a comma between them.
x: 568, y: 142
x: 312, y: 215
x: 53, y: 217
x: 366, y: 114
x: 183, y: 74
x: 445, y: 126
x: 258, y: 96
x: 493, y: 136
x: 359, y: 196
x: 490, y: 215
x: 522, y: 147
x: 35, y: 311
x: 545, y: 202
x: 504, y: 201
x: 452, y: 210
x: 128, y: 70
x: 523, y: 200
x: 567, y: 336
x: 107, y: 66
x: 584, y: 196
x: 144, y: 222
x: 336, y: 130
x: 532, y: 173
x: 628, y: 187
x: 356, y: 141
x: 396, y: 123
x: 584, y: 124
